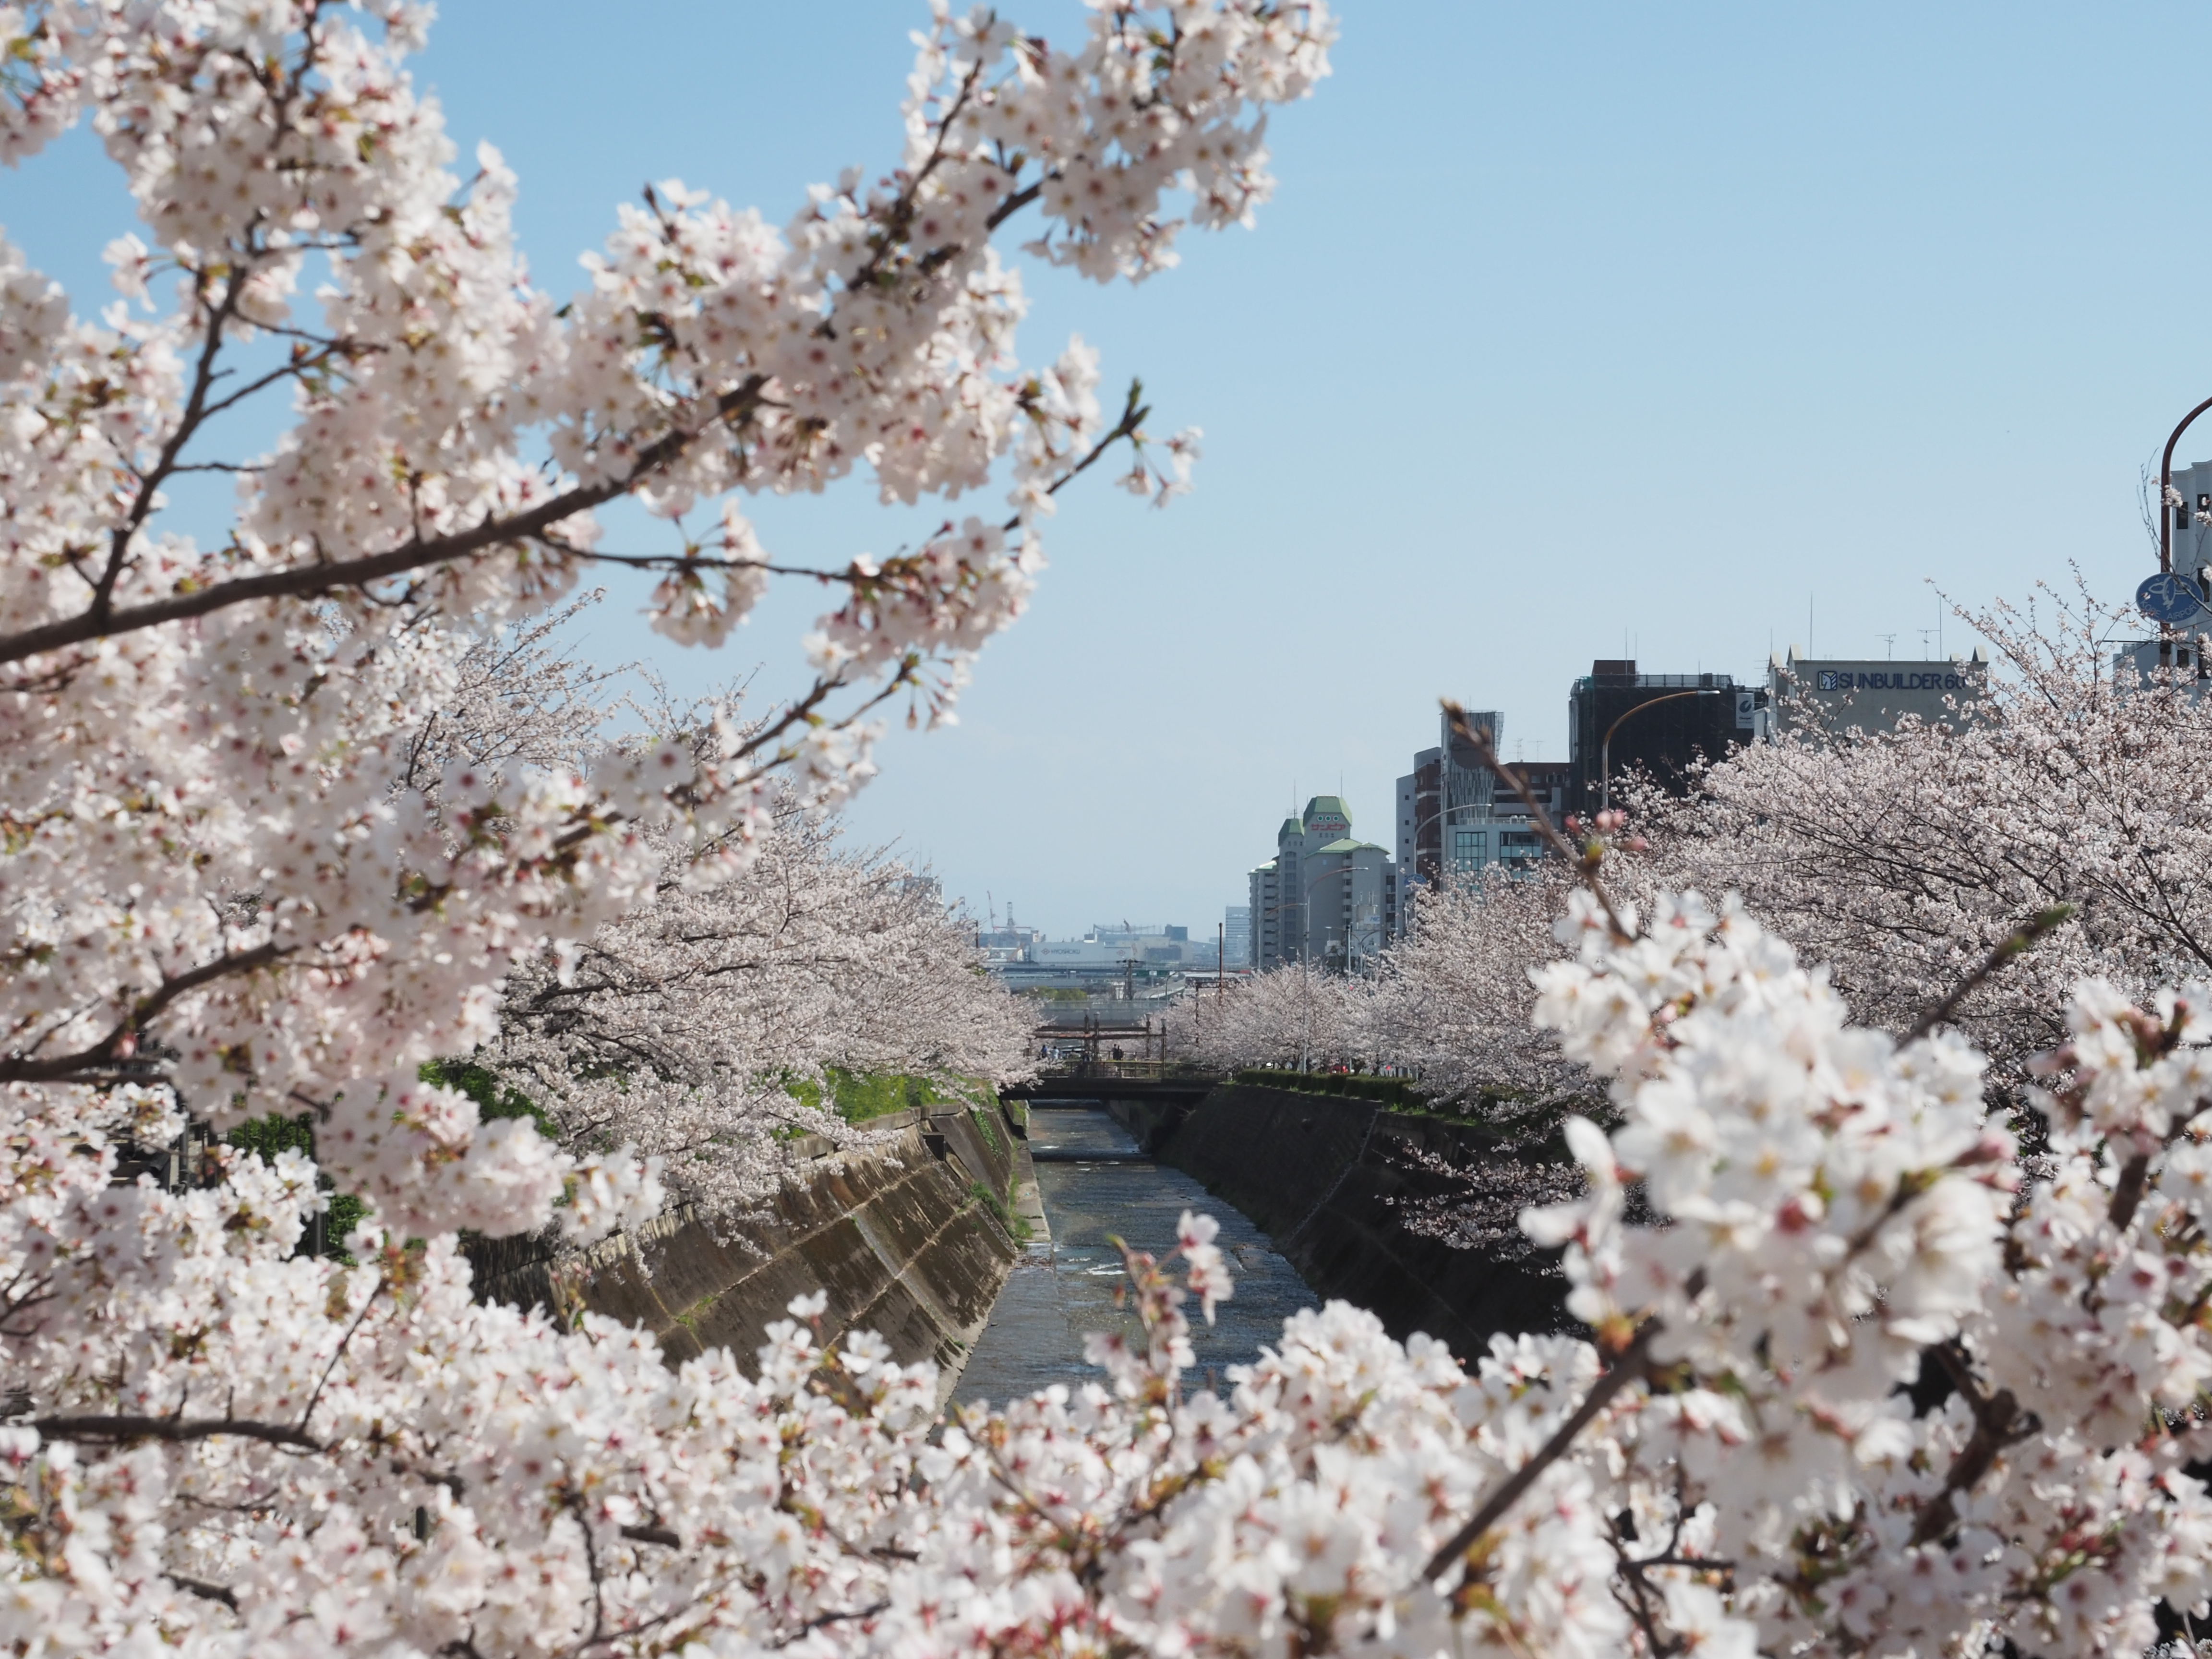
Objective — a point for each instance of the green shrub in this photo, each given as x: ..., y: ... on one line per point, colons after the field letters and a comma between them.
x: 1003, y: 1207
x: 859, y: 1096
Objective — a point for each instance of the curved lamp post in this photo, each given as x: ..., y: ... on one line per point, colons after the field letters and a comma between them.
x: 1605, y: 750
x: 2166, y: 488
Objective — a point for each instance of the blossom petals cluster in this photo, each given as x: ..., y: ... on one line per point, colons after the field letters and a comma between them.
x: 1839, y: 1216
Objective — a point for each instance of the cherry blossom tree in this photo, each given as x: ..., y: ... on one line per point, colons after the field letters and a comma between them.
x: 1454, y: 1000
x: 210, y: 878
x: 1728, y: 1465
x: 224, y: 896
x: 520, y: 701
x: 682, y: 1027
x: 1298, y: 1015
x: 1902, y: 858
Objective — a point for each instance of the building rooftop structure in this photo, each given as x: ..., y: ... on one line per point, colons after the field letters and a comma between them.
x: 1691, y: 718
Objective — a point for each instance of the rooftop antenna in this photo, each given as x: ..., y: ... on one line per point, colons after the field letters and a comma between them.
x: 1926, y: 634
x: 1889, y: 642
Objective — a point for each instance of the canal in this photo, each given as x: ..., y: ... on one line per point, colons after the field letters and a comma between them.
x: 1093, y: 1181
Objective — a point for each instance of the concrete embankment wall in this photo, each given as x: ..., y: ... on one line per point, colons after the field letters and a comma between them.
x: 906, y: 1235
x: 1328, y: 1179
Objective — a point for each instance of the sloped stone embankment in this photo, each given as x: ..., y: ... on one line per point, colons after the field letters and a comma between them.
x: 909, y: 1235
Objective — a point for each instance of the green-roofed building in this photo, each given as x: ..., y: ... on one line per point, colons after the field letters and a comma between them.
x: 1326, y: 897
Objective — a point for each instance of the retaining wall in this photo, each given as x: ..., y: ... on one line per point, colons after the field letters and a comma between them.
x: 1327, y: 1178
x: 901, y: 1233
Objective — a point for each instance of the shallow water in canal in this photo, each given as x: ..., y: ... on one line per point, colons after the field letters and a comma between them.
x: 1053, y: 1299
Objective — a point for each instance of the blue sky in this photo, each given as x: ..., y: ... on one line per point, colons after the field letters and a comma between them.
x: 1569, y: 329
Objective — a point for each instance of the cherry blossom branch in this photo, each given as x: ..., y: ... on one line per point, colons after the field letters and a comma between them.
x: 1633, y: 1363
x: 2017, y: 943
x: 308, y: 1411
x: 2128, y: 1190
x: 176, y: 1429
x: 1133, y: 418
x: 73, y: 1067
x: 1998, y: 1422
x: 820, y: 1621
x: 205, y: 1591
x: 899, y: 219
x: 887, y: 578
x: 296, y: 581
x: 195, y: 413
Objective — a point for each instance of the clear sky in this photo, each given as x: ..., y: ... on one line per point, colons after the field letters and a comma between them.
x: 1572, y: 328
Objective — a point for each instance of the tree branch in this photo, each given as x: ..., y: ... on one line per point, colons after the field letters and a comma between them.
x: 1585, y: 863
x: 21, y: 1068
x: 205, y: 1591
x: 1133, y: 415
x: 175, y: 1429
x: 1998, y: 1423
x: 1633, y: 1363
x: 2016, y: 943
x: 301, y: 580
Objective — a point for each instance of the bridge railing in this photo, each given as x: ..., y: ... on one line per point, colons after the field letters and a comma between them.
x: 1130, y: 1071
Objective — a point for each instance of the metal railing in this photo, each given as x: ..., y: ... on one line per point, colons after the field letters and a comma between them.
x: 1146, y: 1071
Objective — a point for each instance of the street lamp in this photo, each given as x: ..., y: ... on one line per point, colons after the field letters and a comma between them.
x: 2166, y: 525
x: 2166, y: 488
x: 1605, y: 749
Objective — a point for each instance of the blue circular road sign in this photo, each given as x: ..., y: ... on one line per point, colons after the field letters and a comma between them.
x: 2170, y: 598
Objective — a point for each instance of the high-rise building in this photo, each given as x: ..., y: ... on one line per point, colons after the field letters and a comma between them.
x: 1236, y: 936
x: 2192, y: 519
x: 1458, y: 817
x: 1420, y: 797
x: 1691, y: 717
x: 1469, y: 796
x: 1324, y: 897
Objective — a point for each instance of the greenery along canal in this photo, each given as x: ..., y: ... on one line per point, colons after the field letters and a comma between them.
x: 1061, y: 1292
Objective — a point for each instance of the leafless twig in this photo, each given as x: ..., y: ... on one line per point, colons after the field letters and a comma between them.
x: 1584, y: 862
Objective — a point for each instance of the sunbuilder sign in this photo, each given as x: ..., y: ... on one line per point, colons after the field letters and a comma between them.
x: 1895, y: 679
x: 1873, y: 695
